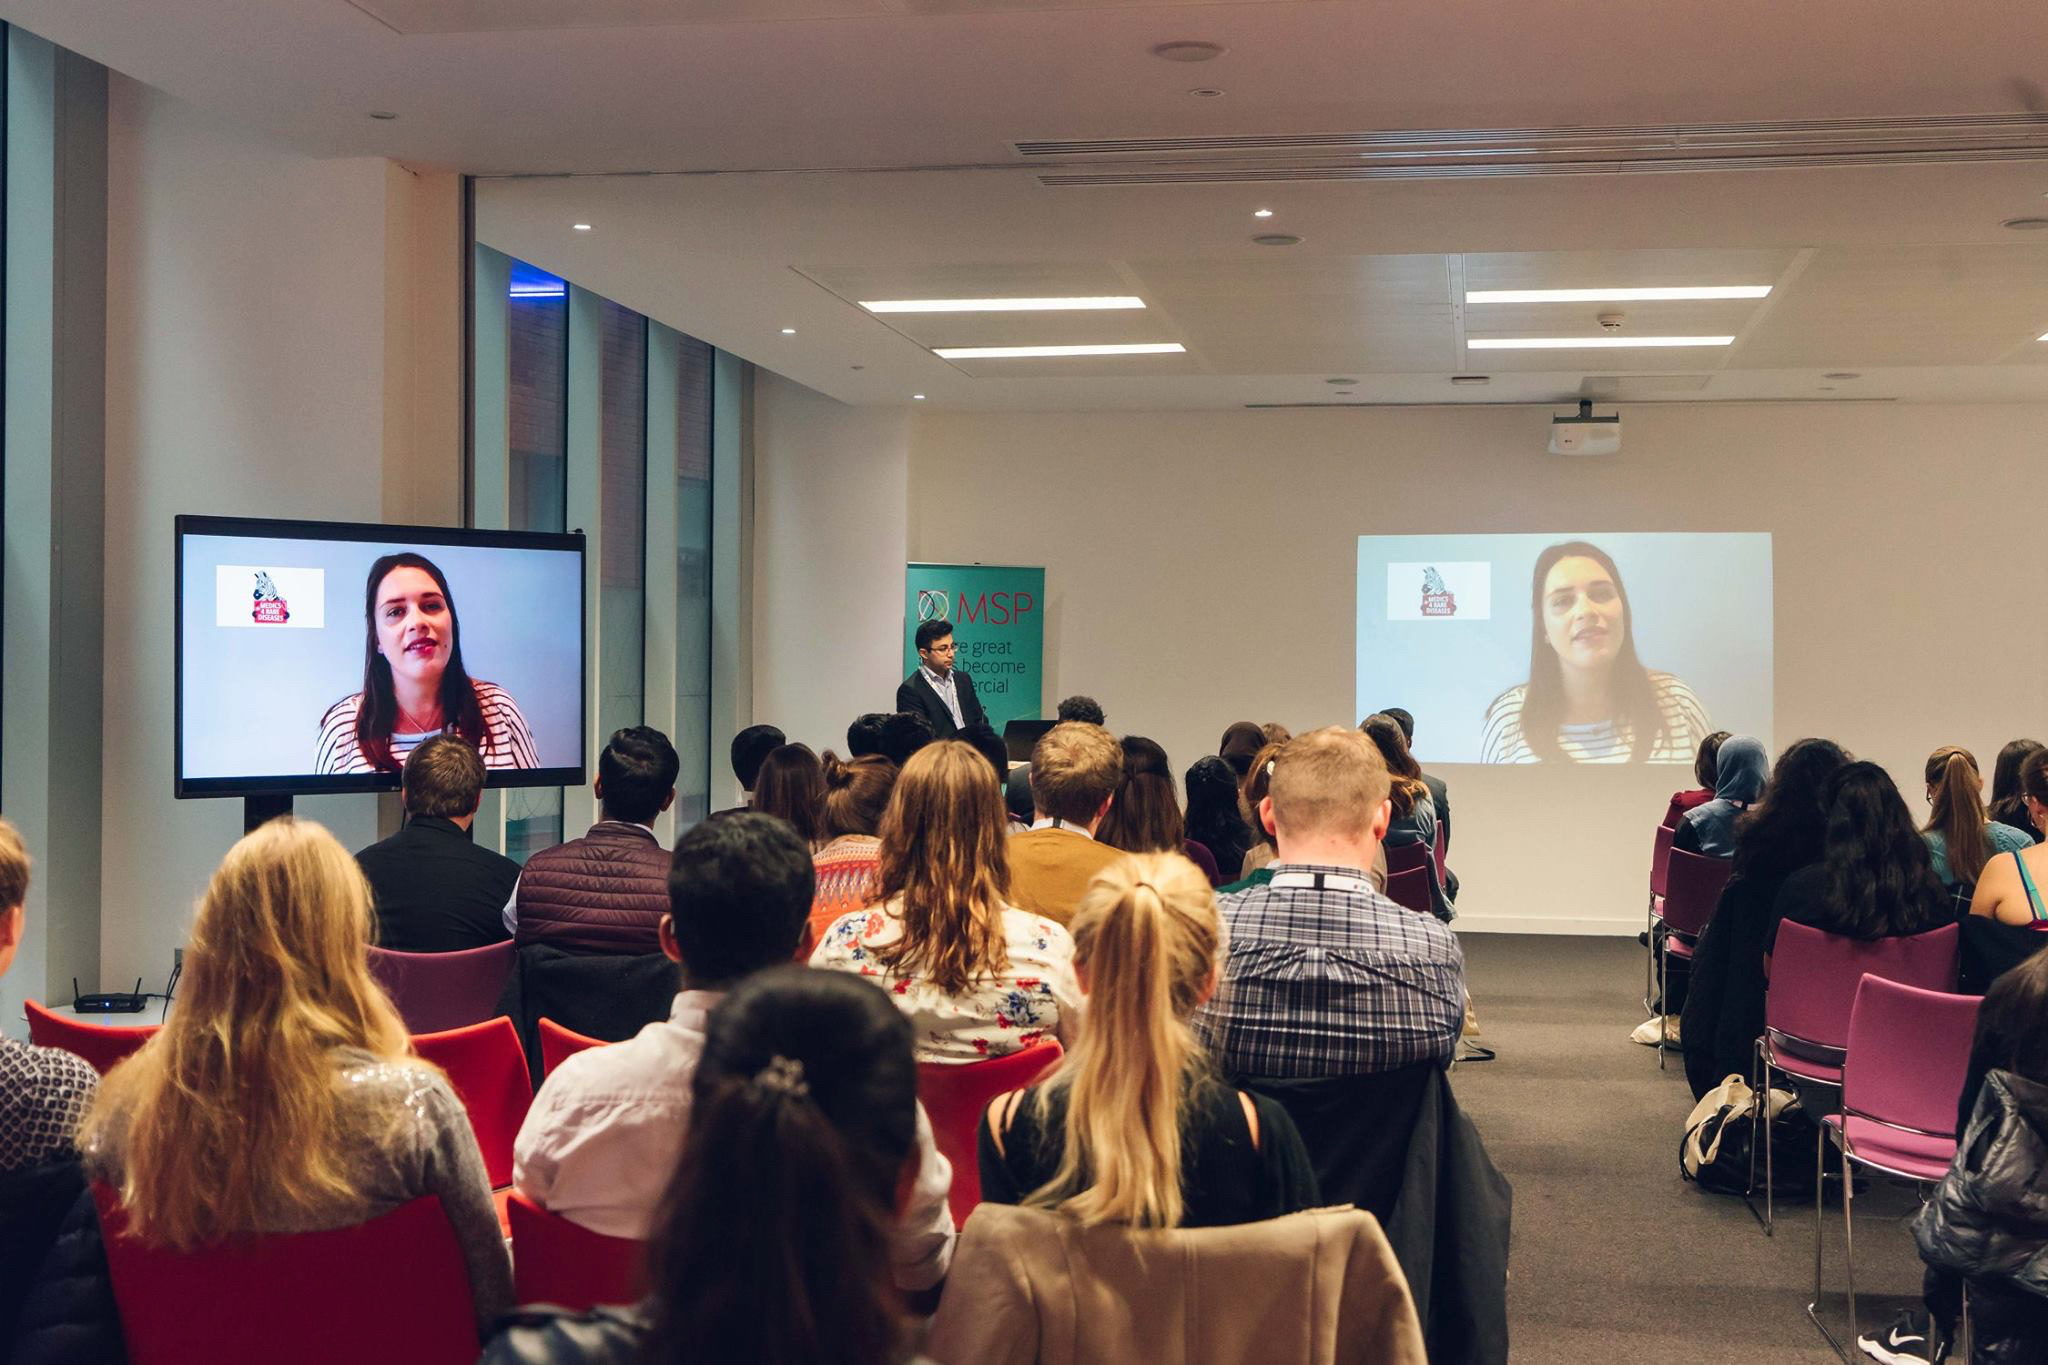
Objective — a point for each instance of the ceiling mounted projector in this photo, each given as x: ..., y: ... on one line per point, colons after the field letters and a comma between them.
x: 1585, y: 434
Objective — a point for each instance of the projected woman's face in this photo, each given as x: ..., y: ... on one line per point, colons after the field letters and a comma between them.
x: 415, y: 633
x: 1583, y: 615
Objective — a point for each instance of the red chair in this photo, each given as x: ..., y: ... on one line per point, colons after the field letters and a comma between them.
x: 557, y: 1044
x: 1660, y: 867
x: 100, y: 1044
x: 487, y: 1067
x: 1814, y: 979
x: 1409, y: 887
x: 439, y: 991
x: 392, y: 1289
x: 560, y: 1262
x: 1692, y: 883
x: 955, y: 1097
x: 1908, y: 1052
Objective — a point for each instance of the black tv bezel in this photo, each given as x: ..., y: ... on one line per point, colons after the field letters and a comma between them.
x: 338, y: 784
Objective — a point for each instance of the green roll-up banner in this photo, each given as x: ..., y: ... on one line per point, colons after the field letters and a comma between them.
x: 998, y: 616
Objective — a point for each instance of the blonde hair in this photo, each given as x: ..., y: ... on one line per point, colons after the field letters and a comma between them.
x: 229, y: 1120
x: 1074, y: 768
x: 1956, y: 809
x: 1328, y: 781
x: 943, y: 854
x: 1148, y: 936
x: 14, y: 864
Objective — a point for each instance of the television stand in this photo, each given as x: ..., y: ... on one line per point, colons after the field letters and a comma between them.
x: 260, y: 810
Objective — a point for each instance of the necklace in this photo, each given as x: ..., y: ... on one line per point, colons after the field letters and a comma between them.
x: 414, y: 725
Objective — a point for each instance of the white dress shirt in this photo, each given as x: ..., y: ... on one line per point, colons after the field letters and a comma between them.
x: 606, y: 1131
x: 948, y: 689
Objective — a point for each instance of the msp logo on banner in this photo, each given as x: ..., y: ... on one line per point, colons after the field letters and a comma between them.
x: 250, y: 595
x: 931, y: 604
x: 1443, y: 591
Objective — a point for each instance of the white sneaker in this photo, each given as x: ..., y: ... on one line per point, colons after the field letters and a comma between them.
x: 1654, y: 1031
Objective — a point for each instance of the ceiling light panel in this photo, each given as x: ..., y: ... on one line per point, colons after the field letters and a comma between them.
x: 1614, y: 342
x: 1653, y: 293
x: 1048, y: 352
x: 1018, y: 305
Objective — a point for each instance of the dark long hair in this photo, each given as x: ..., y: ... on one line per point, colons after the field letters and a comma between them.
x: 2014, y: 1020
x: 461, y: 713
x: 1213, y: 820
x: 1783, y: 832
x: 2007, y: 805
x: 1406, y: 786
x: 1145, y: 817
x: 772, y: 1243
x: 791, y: 784
x: 1635, y: 699
x: 1880, y: 878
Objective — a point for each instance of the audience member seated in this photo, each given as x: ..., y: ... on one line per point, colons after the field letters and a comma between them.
x: 750, y: 749
x: 1439, y: 793
x: 434, y: 889
x: 282, y: 1095
x: 1325, y: 976
x: 1213, y: 820
x: 903, y: 734
x: 1874, y: 878
x: 864, y: 734
x: 849, y: 865
x: 1986, y: 1222
x: 773, y: 1241
x: 1250, y: 791
x: 608, y: 1125
x: 1724, y: 1004
x: 791, y: 786
x: 1703, y: 771
x: 1240, y: 743
x: 2009, y: 888
x: 1084, y: 709
x: 1136, y: 1126
x: 2008, y: 802
x: 1075, y: 771
x: 1957, y: 831
x: 1413, y: 824
x: 990, y: 746
x: 1017, y: 798
x: 44, y: 1092
x: 978, y: 977
x: 1741, y: 771
x: 606, y: 892
x: 1275, y: 733
x: 1145, y: 816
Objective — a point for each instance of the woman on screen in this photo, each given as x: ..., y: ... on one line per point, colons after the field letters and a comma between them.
x: 1588, y: 698
x: 414, y: 684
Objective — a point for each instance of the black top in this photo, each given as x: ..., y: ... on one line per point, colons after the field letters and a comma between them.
x: 1224, y: 1180
x: 435, y: 890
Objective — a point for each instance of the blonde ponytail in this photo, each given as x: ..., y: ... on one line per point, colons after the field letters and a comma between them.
x: 1148, y: 938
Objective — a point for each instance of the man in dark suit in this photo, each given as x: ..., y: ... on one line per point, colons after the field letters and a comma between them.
x: 435, y: 890
x: 939, y: 692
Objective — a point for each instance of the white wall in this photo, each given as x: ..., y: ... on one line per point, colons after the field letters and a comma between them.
x: 1200, y: 568
x: 248, y: 331
x: 830, y: 499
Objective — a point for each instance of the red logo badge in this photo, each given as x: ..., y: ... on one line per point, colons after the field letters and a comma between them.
x: 270, y: 609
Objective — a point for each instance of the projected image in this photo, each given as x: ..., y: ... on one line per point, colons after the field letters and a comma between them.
x: 1635, y: 646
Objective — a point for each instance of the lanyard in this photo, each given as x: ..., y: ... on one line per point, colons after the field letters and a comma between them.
x: 1318, y: 881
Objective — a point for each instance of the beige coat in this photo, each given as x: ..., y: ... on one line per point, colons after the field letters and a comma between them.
x: 1318, y: 1288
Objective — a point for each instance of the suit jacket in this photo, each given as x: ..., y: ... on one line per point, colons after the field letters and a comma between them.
x: 1440, y: 797
x: 915, y: 694
x: 436, y: 890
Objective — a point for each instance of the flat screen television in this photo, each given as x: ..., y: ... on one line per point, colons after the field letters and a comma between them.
x: 312, y: 657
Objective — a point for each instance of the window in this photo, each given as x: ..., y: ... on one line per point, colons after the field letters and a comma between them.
x: 693, y: 579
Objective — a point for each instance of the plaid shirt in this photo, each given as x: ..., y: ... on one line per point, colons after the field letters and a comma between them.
x: 1329, y: 981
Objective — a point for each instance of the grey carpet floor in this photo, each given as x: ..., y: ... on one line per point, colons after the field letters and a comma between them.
x: 1614, y: 1258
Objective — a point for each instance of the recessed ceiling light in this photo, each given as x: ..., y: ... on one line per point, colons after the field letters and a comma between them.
x: 1842, y: 374
x: 382, y: 115
x: 1028, y: 352
x: 2025, y: 224
x: 580, y: 227
x: 1276, y: 239
x: 1205, y: 92
x: 856, y: 367
x: 1188, y: 51
x: 1019, y: 305
x: 1340, y: 381
x: 1588, y: 343
x: 789, y: 331
x: 1471, y: 378
x: 1262, y: 213
x: 1344, y: 393
x: 918, y: 396
x: 1630, y: 295
x: 2042, y: 337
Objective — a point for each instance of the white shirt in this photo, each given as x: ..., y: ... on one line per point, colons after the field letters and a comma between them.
x: 1068, y: 826
x: 948, y: 689
x: 607, y: 1128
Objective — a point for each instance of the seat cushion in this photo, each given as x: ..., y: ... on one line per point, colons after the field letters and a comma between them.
x: 1919, y: 1155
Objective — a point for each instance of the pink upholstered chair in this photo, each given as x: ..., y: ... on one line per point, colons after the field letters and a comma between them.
x: 435, y: 992
x: 1693, y: 885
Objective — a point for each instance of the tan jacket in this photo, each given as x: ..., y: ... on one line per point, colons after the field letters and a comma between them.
x: 1050, y: 870
x: 1314, y: 1288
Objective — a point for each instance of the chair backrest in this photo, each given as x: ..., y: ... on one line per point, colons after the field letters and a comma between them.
x: 556, y: 1045
x: 437, y: 991
x: 392, y: 1289
x: 1908, y: 1052
x: 1410, y: 887
x: 100, y: 1044
x: 487, y: 1068
x: 1406, y: 857
x: 1660, y: 859
x: 1814, y: 976
x: 954, y: 1098
x: 1443, y: 846
x: 1692, y: 887
x: 560, y: 1262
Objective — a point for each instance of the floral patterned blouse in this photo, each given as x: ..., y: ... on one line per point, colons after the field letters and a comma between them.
x: 1034, y: 995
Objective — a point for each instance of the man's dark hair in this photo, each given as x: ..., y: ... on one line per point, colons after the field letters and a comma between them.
x: 1400, y: 718
x: 638, y: 768
x: 444, y: 777
x: 749, y: 747
x: 903, y: 734
x: 864, y: 736
x: 990, y: 746
x: 1078, y: 707
x: 739, y: 891
x: 930, y: 633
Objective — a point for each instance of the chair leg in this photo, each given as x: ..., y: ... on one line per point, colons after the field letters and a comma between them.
x: 1663, y: 1019
x: 1849, y: 1234
x: 1770, y: 1167
x: 1819, y: 1224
